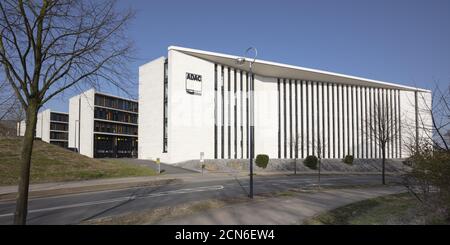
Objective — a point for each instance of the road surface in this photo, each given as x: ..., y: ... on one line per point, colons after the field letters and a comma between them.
x: 75, y: 208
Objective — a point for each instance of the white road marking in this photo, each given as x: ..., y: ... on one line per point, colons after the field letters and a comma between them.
x: 318, y: 184
x: 74, y: 205
x: 77, y: 194
x: 184, y: 191
x: 123, y: 199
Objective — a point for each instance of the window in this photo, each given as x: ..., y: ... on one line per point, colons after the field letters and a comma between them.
x: 58, y: 135
x: 115, y: 103
x: 113, y: 115
x: 115, y: 128
x: 59, y: 126
x: 165, y: 107
x: 59, y: 117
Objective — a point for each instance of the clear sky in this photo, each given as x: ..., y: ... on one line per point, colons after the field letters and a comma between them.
x: 400, y: 41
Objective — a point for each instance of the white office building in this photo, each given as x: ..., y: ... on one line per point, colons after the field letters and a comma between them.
x: 51, y: 127
x: 103, y: 125
x: 195, y: 103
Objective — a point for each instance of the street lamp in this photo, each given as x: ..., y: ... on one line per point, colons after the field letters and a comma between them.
x: 241, y: 61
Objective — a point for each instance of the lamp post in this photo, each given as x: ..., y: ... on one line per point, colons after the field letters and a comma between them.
x: 241, y: 61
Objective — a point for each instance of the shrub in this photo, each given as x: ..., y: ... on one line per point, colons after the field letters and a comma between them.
x: 348, y: 159
x: 429, y: 179
x: 311, y: 162
x: 262, y: 160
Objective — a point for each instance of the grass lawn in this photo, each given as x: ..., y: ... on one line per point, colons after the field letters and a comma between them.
x: 52, y: 163
x: 397, y: 209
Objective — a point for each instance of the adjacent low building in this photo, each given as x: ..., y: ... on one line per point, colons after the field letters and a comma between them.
x: 51, y: 127
x: 103, y: 125
x: 195, y: 103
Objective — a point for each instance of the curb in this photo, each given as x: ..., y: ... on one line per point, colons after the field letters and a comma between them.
x: 289, y: 173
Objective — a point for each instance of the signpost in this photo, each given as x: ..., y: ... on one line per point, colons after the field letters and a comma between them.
x: 202, y: 160
x: 158, y: 162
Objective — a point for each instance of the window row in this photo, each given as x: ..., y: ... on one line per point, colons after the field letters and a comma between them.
x: 115, y: 128
x: 113, y: 115
x: 59, y: 126
x: 59, y: 117
x: 116, y: 103
x: 58, y: 135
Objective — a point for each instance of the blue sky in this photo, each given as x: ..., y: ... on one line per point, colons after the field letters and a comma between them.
x: 401, y: 41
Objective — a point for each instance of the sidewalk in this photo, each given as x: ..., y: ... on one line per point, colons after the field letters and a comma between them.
x: 284, y: 210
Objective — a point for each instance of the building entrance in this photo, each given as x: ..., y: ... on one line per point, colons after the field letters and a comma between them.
x: 114, y: 146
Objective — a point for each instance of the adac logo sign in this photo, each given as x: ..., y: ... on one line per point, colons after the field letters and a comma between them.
x: 193, y: 83
x: 193, y: 77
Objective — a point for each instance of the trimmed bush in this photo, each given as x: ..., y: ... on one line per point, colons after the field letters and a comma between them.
x: 262, y: 160
x: 348, y: 159
x: 311, y: 162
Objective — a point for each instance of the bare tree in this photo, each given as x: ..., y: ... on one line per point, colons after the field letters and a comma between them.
x: 447, y: 136
x: 429, y: 153
x: 7, y: 99
x: 49, y: 46
x: 428, y: 178
x: 294, y: 143
x: 11, y: 112
x: 382, y: 127
x: 10, y: 107
x: 317, y: 147
x: 440, y: 117
x: 319, y: 151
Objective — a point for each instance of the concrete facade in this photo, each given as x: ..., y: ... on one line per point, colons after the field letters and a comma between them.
x: 150, y: 77
x: 100, y: 124
x: 81, y: 111
x: 50, y: 127
x: 297, y: 110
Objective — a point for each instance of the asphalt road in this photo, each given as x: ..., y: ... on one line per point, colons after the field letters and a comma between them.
x: 75, y: 208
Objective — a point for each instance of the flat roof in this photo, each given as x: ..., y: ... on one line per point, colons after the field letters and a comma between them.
x: 53, y: 111
x: 280, y: 70
x: 59, y: 112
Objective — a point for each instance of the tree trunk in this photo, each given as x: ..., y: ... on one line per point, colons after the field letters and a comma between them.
x: 20, y: 216
x: 295, y: 167
x: 319, y: 171
x: 383, y: 161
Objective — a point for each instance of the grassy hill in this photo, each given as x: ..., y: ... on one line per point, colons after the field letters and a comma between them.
x: 52, y: 163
